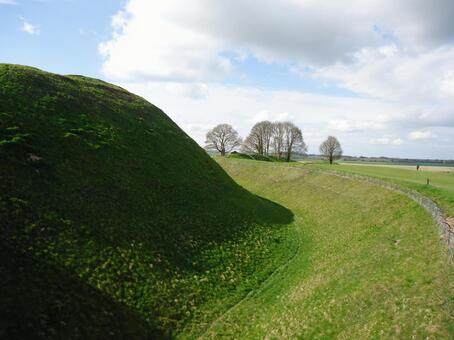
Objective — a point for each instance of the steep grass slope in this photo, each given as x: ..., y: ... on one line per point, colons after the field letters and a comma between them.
x: 371, y: 263
x: 103, y: 198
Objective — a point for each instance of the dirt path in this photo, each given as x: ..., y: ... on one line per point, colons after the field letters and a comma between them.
x: 450, y: 221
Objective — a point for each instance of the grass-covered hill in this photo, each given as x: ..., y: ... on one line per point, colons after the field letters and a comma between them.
x: 371, y: 264
x: 113, y: 221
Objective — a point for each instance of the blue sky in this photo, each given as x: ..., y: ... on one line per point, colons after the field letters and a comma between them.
x: 69, y: 32
x: 68, y: 38
x: 276, y: 76
x: 377, y: 74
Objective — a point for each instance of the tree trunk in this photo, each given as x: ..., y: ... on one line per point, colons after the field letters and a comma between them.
x: 222, y: 152
x: 330, y: 159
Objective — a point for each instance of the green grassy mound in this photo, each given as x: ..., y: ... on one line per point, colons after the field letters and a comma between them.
x: 371, y: 263
x: 40, y: 300
x: 105, y: 191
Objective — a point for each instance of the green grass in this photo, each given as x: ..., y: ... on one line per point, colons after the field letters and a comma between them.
x: 402, y: 163
x: 441, y: 188
x: 255, y: 157
x: 370, y: 264
x: 100, y: 189
x: 115, y: 224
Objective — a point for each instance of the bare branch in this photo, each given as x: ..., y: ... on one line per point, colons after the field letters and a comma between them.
x: 223, y: 138
x: 331, y: 149
x: 259, y: 139
x: 280, y: 138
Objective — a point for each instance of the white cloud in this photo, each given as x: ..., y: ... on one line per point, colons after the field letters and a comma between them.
x: 421, y: 83
x: 149, y: 43
x: 193, y: 90
x: 386, y: 141
x: 400, y: 74
x: 180, y: 40
x: 242, y: 107
x: 8, y: 2
x: 176, y: 39
x: 29, y: 28
x: 271, y: 116
x: 355, y: 126
x: 397, y: 56
x: 447, y: 83
x: 417, y: 135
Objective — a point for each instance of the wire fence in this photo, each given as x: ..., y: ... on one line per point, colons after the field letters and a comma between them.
x: 446, y: 231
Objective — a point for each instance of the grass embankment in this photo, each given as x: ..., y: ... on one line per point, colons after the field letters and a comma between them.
x: 255, y: 157
x: 104, y: 199
x: 371, y: 263
x: 440, y: 189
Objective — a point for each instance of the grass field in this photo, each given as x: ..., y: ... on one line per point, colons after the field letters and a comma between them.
x: 370, y: 263
x: 437, y: 168
x: 441, y: 188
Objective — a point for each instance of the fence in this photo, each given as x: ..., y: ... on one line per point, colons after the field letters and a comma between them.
x: 444, y: 227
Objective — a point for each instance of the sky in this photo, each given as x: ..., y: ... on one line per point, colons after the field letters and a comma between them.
x: 377, y: 74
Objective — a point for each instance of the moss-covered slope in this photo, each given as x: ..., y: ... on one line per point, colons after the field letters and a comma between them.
x: 103, y: 186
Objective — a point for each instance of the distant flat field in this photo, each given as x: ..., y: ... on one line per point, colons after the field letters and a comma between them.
x: 439, y: 168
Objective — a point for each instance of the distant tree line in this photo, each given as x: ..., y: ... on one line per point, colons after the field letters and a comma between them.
x: 278, y: 139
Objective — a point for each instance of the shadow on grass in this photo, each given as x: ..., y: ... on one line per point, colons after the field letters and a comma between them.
x: 40, y: 301
x: 273, y: 213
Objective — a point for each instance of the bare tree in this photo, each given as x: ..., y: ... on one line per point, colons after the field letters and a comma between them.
x: 293, y: 140
x: 278, y: 138
x: 331, y: 149
x: 259, y: 139
x: 222, y: 138
x: 253, y: 143
x: 267, y: 131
